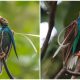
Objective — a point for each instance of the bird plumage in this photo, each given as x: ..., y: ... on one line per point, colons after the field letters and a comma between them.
x: 5, y: 45
x: 6, y: 41
x: 6, y: 29
x: 77, y: 37
x: 73, y: 39
x: 72, y: 36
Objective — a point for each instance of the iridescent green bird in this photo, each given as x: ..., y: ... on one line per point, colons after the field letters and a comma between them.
x: 71, y: 52
x: 6, y: 41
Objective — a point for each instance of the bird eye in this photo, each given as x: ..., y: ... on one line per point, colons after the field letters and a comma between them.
x: 3, y: 19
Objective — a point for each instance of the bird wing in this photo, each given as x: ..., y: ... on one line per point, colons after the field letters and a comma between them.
x: 3, y: 48
x: 12, y: 39
x: 6, y: 43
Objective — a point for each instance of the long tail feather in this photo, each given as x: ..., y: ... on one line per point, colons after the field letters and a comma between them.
x: 12, y: 40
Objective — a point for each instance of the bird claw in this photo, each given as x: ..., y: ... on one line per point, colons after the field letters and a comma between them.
x: 2, y: 55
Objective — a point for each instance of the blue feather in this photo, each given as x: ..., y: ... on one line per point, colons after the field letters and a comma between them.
x: 12, y: 39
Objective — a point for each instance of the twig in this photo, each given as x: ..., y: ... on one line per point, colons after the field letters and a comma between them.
x: 7, y: 70
x: 72, y: 73
x: 64, y: 70
x: 53, y: 5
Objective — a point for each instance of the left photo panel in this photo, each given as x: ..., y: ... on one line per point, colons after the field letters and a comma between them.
x: 19, y: 40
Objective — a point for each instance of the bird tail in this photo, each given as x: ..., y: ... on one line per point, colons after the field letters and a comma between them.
x: 72, y: 62
x: 12, y: 40
x: 0, y: 66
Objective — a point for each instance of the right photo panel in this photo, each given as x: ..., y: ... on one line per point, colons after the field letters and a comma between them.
x: 59, y: 39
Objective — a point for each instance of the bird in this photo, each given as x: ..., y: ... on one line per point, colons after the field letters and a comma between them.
x: 71, y: 52
x: 6, y: 41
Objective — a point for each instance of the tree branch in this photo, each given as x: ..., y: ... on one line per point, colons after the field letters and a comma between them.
x: 64, y: 70
x: 7, y: 70
x: 60, y: 73
x: 72, y: 73
x: 53, y: 5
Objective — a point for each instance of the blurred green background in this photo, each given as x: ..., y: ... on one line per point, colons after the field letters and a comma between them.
x: 23, y: 17
x: 67, y: 11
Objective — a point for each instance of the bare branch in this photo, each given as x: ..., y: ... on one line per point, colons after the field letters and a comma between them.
x: 72, y: 73
x: 52, y: 5
x: 62, y: 71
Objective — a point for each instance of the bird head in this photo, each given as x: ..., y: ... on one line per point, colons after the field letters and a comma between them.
x: 3, y: 21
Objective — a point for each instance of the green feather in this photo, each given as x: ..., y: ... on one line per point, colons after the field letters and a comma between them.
x: 75, y: 43
x: 74, y: 46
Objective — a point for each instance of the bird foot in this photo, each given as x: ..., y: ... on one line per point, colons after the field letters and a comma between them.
x: 78, y: 54
x: 2, y: 55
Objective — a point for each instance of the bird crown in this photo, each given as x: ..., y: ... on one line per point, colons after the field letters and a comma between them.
x: 3, y: 21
